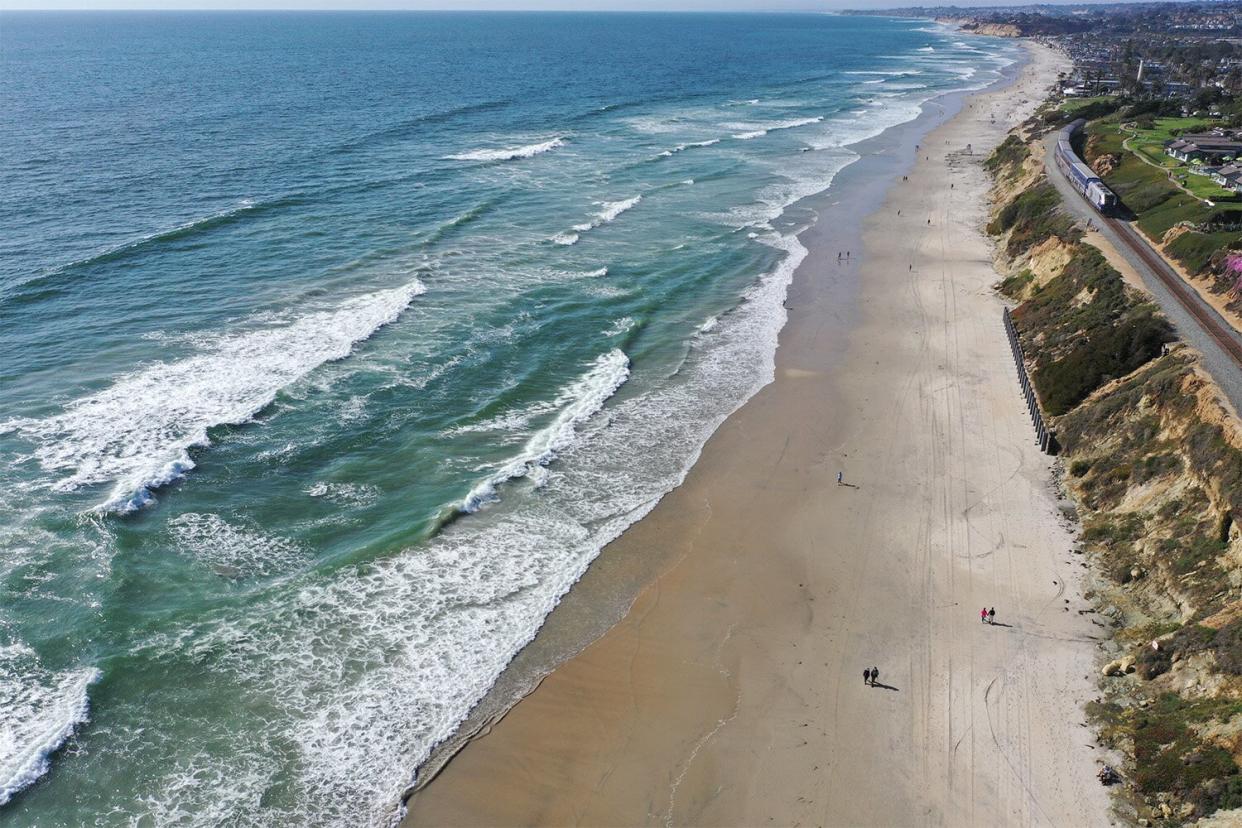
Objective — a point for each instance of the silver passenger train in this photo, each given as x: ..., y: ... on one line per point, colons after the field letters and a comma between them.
x: 1080, y: 175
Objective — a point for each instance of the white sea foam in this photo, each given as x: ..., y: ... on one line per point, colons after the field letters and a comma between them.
x: 655, y: 124
x: 137, y: 433
x: 345, y: 494
x: 875, y: 72
x: 234, y: 550
x: 366, y: 669
x: 510, y: 153
x: 597, y: 274
x: 39, y: 710
x: 508, y: 421
x: 623, y: 325
x: 608, y: 212
x: 578, y: 402
x: 690, y: 145
x: 759, y: 130
x: 374, y: 666
x: 612, y: 209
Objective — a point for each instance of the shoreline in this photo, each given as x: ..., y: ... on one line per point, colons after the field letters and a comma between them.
x: 607, y: 590
x: 701, y: 668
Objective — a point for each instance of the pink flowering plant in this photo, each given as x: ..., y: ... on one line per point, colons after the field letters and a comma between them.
x: 1233, y: 268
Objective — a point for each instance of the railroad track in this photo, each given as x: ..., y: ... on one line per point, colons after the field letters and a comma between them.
x: 1185, y: 295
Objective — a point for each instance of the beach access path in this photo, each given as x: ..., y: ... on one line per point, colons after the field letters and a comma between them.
x: 732, y: 692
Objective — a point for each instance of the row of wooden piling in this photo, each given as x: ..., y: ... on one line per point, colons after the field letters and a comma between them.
x: 1047, y: 440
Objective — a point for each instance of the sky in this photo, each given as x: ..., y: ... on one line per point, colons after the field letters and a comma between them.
x: 493, y: 5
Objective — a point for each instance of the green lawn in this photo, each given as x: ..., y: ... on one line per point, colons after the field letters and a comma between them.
x: 1204, y: 187
x: 1150, y: 142
x: 1159, y: 205
x: 1158, y: 219
x: 1071, y: 105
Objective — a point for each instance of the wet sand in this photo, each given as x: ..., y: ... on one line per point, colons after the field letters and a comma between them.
x: 731, y: 692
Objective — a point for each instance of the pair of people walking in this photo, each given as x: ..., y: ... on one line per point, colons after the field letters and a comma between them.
x: 987, y: 615
x: 871, y: 675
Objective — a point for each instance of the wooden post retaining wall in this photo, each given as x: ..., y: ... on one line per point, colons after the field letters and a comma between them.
x: 1045, y: 437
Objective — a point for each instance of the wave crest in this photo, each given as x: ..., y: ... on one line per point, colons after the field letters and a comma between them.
x: 41, y: 711
x: 138, y: 432
x: 611, y: 209
x: 510, y: 153
x: 691, y: 145
x: 760, y: 130
x: 577, y: 403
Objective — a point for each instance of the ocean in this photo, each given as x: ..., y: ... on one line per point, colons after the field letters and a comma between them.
x: 334, y: 347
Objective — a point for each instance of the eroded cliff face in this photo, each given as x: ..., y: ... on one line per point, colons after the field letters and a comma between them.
x: 995, y: 29
x: 1155, y: 461
x: 1152, y: 458
x: 979, y: 27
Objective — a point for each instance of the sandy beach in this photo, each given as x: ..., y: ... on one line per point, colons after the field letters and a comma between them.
x: 731, y: 693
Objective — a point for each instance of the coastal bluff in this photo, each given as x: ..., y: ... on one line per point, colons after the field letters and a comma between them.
x: 1151, y: 468
x: 977, y: 27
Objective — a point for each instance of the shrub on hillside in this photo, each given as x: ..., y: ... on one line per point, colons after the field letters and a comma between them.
x: 1007, y: 158
x: 1032, y: 216
x: 1108, y: 354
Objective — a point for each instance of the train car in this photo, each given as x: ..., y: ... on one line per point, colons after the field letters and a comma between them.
x: 1082, y: 177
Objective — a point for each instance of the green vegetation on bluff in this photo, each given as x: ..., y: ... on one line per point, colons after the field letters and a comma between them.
x: 1130, y: 156
x: 1031, y: 217
x: 1084, y: 327
x: 1006, y: 160
x: 1171, y: 756
x: 1158, y: 482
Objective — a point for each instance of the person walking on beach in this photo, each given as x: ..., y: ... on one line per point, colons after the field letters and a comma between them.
x: 991, y: 615
x: 983, y: 615
x: 875, y: 675
x: 867, y: 675
x: 840, y: 478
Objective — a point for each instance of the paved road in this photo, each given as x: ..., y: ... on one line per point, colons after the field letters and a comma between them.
x: 1196, y: 322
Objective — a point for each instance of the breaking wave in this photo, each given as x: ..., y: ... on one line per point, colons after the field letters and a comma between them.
x: 137, y: 433
x: 760, y: 130
x: 611, y: 209
x: 41, y: 711
x: 691, y: 145
x: 577, y: 403
x: 510, y: 153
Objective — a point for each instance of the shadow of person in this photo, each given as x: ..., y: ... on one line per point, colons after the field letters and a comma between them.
x: 999, y: 624
x: 849, y: 485
x: 886, y: 686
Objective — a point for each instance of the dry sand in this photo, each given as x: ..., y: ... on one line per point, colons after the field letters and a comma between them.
x: 732, y: 692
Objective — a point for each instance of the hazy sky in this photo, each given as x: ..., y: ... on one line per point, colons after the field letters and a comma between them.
x: 508, y: 5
